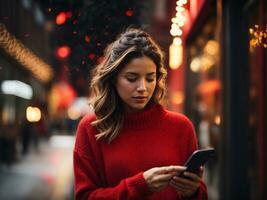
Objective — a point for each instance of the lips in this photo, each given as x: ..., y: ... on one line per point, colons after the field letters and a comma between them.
x: 140, y: 97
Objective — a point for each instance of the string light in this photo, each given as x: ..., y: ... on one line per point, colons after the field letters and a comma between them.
x: 176, y: 50
x: 24, y: 56
x: 258, y: 37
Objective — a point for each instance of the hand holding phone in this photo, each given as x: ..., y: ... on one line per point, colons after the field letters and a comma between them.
x: 197, y: 159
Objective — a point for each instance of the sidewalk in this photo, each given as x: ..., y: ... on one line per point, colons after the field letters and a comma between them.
x: 43, y: 175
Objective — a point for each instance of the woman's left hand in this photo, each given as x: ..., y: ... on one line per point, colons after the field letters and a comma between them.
x: 187, y: 187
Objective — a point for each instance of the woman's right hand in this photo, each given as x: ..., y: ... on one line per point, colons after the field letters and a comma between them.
x: 159, y: 177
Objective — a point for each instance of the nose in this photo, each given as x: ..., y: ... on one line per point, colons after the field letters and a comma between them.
x: 142, y: 86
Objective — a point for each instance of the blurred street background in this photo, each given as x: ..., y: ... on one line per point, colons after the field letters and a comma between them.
x: 215, y: 54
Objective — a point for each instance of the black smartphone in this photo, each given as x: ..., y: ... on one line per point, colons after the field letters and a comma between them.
x: 198, y: 158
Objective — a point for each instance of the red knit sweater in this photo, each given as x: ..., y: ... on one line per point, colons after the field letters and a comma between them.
x: 153, y: 138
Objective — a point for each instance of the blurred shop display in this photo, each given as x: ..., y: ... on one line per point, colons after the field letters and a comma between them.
x: 62, y: 96
x: 25, y: 75
x: 220, y: 83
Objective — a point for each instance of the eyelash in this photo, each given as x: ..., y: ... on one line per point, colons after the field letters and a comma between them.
x: 134, y: 79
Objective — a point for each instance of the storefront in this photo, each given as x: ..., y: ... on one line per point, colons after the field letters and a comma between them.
x: 203, y: 86
x: 225, y: 88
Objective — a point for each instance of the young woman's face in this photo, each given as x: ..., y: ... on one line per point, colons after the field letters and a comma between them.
x: 136, y: 82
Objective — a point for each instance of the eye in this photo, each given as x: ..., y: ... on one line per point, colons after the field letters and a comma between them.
x: 131, y: 79
x: 150, y: 79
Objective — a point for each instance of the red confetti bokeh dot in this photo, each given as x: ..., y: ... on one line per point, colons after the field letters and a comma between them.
x: 61, y: 18
x: 63, y: 51
x: 129, y: 13
x: 87, y: 39
x: 91, y: 56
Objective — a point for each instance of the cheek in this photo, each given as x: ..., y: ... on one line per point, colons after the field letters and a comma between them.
x: 152, y: 87
x: 124, y: 88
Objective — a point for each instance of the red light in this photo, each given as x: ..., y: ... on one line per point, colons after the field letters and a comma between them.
x: 68, y: 14
x: 61, y: 18
x: 91, y: 56
x: 87, y: 39
x: 63, y: 51
x: 129, y: 13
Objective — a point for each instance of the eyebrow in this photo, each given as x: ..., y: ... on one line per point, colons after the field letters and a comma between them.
x: 133, y: 73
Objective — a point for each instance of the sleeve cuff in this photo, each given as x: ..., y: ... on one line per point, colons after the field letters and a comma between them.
x: 137, y: 185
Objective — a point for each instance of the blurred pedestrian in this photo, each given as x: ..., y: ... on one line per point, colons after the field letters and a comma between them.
x: 8, y: 142
x: 26, y: 134
x: 132, y: 148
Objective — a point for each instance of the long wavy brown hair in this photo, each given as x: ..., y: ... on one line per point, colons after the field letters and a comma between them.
x: 108, y: 106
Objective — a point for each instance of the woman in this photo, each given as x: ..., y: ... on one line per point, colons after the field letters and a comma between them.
x: 132, y: 148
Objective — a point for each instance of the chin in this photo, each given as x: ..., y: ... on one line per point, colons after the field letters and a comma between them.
x: 137, y: 107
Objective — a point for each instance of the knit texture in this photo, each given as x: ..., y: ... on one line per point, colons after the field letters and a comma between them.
x: 154, y: 137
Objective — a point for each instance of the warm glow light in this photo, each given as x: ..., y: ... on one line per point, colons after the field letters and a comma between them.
x: 203, y: 63
x: 176, y: 56
x: 217, y: 120
x: 24, y: 56
x: 79, y: 108
x: 179, y: 20
x: 258, y: 37
x: 175, y: 20
x: 176, y: 31
x: 177, y: 41
x: 178, y: 98
x: 209, y: 87
x: 180, y: 23
x: 179, y: 15
x: 33, y: 114
x: 207, y: 62
x: 179, y: 3
x: 73, y: 113
x: 212, y: 47
x: 195, y: 64
x: 179, y: 9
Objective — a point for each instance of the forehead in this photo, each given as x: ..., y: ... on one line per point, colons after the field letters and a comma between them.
x: 140, y: 65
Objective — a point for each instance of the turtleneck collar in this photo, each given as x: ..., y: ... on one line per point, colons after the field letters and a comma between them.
x: 145, y: 118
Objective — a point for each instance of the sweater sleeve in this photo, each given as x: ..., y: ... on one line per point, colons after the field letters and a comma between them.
x: 88, y: 175
x: 201, y: 193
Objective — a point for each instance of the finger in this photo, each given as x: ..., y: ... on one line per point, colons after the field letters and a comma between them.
x: 181, y: 185
x: 174, y: 168
x: 169, y: 169
x: 181, y: 189
x: 192, y: 176
x: 164, y: 177
x: 186, y: 182
x: 158, y: 185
